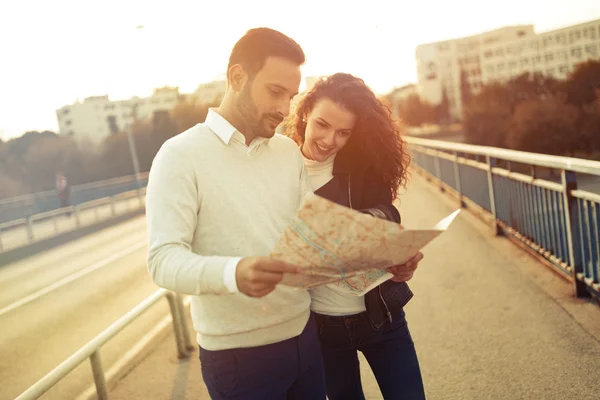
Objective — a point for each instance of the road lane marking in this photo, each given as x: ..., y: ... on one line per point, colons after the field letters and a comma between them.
x: 68, y: 279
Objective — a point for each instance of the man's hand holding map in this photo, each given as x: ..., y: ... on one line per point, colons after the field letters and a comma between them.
x: 333, y: 243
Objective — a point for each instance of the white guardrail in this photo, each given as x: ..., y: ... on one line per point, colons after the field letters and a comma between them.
x: 77, y: 217
x: 91, y: 349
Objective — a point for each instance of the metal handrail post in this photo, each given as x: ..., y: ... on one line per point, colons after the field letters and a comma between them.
x: 184, y: 323
x: 569, y: 182
x: 177, y: 325
x: 99, y: 378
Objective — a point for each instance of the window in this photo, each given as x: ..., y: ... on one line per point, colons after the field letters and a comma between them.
x: 576, y: 52
x: 537, y: 59
x: 71, y: 133
x: 550, y: 71
x: 521, y: 33
x: 561, y: 55
x: 112, y: 124
x: 524, y: 62
x: 548, y: 41
x: 591, y: 50
x: 574, y: 36
x: 534, y: 45
x: 512, y: 64
x: 68, y: 122
x: 563, y: 69
x: 488, y: 54
x: 514, y: 50
x: 489, y: 68
x: 549, y: 57
x: 499, y: 52
x: 500, y: 66
x: 66, y: 111
x: 561, y: 38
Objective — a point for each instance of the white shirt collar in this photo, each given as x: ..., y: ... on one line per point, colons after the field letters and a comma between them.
x: 226, y: 132
x: 220, y: 126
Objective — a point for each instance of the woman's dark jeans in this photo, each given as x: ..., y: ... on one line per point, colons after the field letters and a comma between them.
x: 389, y: 350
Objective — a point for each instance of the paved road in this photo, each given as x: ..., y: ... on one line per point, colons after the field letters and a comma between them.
x: 488, y: 321
x: 16, y: 237
x: 91, y: 283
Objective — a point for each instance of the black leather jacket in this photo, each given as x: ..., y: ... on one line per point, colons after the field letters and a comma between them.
x: 361, y: 190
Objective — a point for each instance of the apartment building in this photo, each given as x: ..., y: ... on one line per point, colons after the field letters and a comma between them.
x: 499, y: 55
x: 210, y: 92
x: 97, y: 117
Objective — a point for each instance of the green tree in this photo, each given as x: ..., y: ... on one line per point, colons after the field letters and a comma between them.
x: 582, y: 83
x: 532, y: 86
x: 546, y: 126
x: 189, y: 112
x: 415, y: 112
x: 465, y: 89
x: 487, y: 119
x: 50, y: 155
x: 443, y: 109
x: 590, y: 133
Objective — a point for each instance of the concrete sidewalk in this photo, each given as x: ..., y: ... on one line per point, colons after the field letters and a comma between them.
x: 488, y: 321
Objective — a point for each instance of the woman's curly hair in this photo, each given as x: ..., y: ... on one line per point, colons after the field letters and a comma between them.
x: 375, y: 141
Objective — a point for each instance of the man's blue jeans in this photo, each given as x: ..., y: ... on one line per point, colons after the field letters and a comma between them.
x: 288, y: 370
x: 389, y: 350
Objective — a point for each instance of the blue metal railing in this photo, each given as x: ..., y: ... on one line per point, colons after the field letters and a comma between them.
x: 549, y: 204
x: 24, y: 206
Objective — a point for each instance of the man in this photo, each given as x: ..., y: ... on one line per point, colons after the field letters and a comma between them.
x: 64, y: 190
x: 218, y: 199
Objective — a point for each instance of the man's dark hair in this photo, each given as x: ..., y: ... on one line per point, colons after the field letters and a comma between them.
x: 252, y: 50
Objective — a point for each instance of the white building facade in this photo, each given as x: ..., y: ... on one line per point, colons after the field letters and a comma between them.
x: 499, y: 55
x: 97, y: 117
x: 210, y: 92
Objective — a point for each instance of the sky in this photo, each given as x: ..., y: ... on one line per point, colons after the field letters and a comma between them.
x: 53, y: 52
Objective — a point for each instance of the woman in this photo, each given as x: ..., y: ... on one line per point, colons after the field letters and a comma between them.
x: 355, y: 157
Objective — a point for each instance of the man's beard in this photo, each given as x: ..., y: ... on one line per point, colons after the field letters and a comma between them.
x: 259, y: 126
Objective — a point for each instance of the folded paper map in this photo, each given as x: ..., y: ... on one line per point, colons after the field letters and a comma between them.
x: 335, y: 244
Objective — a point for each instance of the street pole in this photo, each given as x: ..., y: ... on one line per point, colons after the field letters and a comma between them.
x: 134, y: 158
x: 132, y: 150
